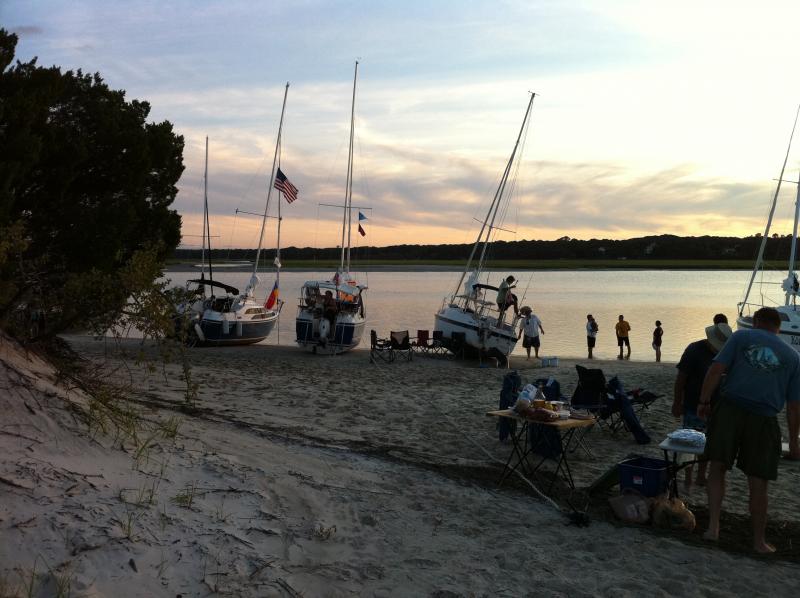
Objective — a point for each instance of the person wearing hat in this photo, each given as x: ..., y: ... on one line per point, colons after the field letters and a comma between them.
x: 692, y: 368
x: 762, y: 373
x: 531, y: 326
x: 505, y: 297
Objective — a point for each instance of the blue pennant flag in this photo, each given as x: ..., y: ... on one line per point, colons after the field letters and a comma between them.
x: 361, y: 217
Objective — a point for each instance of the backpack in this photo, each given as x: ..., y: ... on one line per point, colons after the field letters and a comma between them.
x: 512, y: 383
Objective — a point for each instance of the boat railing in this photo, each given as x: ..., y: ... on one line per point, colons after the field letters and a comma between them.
x: 483, y: 309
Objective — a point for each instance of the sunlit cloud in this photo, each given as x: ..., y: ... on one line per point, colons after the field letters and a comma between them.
x: 651, y: 119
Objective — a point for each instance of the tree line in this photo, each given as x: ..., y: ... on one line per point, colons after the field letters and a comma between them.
x: 658, y: 247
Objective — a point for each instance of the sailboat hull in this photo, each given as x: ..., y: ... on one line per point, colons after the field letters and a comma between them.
x: 224, y: 321
x: 224, y: 332
x: 481, y: 334
x: 345, y: 334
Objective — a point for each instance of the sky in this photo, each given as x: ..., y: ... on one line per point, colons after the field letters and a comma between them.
x: 650, y: 118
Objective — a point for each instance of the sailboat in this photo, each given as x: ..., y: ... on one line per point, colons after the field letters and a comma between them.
x: 789, y: 313
x: 469, y: 321
x: 331, y: 315
x: 235, y: 318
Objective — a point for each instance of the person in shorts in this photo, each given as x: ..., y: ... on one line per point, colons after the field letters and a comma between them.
x: 692, y: 369
x: 623, y: 329
x: 762, y: 375
x: 591, y: 333
x: 530, y: 327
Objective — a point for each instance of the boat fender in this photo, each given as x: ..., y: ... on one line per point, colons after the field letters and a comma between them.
x: 324, y: 328
x: 199, y: 332
x: 226, y: 327
x: 238, y: 329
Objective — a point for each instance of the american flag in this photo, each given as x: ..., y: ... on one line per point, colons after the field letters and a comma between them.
x: 283, y: 185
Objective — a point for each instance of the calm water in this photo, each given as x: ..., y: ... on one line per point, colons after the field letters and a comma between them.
x: 684, y: 301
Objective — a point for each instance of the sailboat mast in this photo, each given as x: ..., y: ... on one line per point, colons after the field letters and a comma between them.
x: 206, y: 225
x: 494, y: 207
x: 348, y: 197
x: 760, y: 258
x: 205, y: 210
x: 791, y: 277
x: 254, y: 279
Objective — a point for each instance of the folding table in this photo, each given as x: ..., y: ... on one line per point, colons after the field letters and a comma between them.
x: 670, y: 446
x: 521, y: 448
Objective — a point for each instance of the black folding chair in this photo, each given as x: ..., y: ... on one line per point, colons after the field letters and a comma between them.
x: 422, y: 344
x: 401, y: 345
x: 379, y: 349
x: 437, y: 343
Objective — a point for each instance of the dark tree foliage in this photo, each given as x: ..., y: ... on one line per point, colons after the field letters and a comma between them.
x: 86, y: 185
x: 661, y: 247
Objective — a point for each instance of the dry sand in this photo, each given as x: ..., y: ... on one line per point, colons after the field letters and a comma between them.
x: 328, y: 476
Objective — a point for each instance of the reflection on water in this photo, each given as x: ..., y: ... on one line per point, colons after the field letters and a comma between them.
x: 684, y: 301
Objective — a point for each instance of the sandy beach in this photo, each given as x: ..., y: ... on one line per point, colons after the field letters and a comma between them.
x: 296, y: 475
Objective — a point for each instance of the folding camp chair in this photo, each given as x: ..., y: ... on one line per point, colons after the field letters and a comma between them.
x: 379, y: 348
x: 642, y: 400
x: 422, y: 344
x: 437, y: 344
x: 590, y: 394
x: 400, y: 343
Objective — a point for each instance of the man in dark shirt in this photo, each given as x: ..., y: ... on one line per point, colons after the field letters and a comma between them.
x: 692, y: 368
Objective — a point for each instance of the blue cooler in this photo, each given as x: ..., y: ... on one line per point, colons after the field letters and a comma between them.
x: 645, y: 475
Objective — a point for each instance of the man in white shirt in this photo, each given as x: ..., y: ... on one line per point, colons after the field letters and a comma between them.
x: 531, y: 327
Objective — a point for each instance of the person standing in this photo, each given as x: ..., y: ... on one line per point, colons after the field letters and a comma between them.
x: 591, y: 333
x: 531, y: 327
x: 692, y: 369
x: 762, y: 374
x: 657, y: 334
x: 505, y: 297
x: 623, y: 328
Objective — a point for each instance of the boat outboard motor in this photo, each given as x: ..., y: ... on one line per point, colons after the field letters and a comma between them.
x: 324, y: 328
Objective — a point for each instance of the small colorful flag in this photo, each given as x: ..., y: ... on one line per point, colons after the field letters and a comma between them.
x: 283, y: 185
x: 361, y: 231
x: 273, y: 297
x: 361, y: 217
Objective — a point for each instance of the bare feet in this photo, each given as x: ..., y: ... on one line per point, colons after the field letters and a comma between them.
x: 763, y: 548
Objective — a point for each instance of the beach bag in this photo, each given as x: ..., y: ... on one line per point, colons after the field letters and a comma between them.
x: 545, y: 440
x: 512, y: 382
x: 672, y: 513
x: 630, y: 507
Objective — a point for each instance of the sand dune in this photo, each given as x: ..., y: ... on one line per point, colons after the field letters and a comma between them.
x: 299, y: 475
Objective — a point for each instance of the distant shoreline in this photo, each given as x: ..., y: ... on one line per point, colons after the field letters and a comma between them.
x: 522, y: 266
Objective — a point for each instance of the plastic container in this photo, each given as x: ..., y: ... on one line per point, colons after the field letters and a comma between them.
x: 645, y: 475
x: 549, y: 362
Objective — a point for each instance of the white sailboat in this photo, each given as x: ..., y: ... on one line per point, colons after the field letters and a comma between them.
x: 469, y: 320
x: 336, y: 325
x: 789, y: 313
x: 234, y: 318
